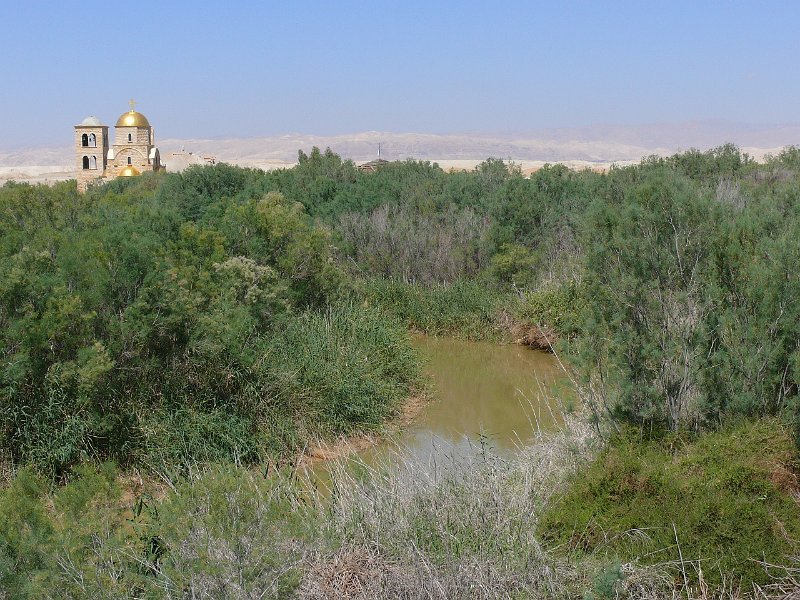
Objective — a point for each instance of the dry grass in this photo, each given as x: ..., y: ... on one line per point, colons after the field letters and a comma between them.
x: 467, y: 529
x: 448, y: 529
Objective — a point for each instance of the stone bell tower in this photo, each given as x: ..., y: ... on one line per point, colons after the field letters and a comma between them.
x: 91, y: 149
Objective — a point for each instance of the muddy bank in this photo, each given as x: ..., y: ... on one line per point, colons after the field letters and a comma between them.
x: 535, y: 337
x: 347, y: 445
x: 524, y: 333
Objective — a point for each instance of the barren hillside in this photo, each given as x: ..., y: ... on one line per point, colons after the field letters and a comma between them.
x: 595, y: 147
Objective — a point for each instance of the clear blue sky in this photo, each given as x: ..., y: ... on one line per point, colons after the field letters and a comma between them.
x: 326, y: 67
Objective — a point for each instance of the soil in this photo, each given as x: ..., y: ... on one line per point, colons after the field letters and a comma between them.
x: 539, y: 338
x: 345, y: 445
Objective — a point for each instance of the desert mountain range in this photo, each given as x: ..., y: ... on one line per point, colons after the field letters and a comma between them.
x: 595, y: 146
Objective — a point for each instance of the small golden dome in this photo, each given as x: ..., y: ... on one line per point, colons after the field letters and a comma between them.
x: 129, y: 171
x: 132, y: 119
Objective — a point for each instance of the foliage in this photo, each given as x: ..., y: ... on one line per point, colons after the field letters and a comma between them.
x: 557, y: 308
x: 646, y: 305
x: 481, y: 524
x: 727, y: 494
x: 156, y: 322
x: 467, y: 309
x: 675, y: 278
x: 227, y: 534
x: 222, y: 533
x: 408, y: 245
x: 346, y: 369
x: 514, y: 264
x: 691, y: 310
x: 77, y: 542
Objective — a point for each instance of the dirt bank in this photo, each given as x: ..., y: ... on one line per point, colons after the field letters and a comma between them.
x: 346, y: 445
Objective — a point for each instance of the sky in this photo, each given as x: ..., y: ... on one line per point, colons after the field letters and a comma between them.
x: 262, y: 68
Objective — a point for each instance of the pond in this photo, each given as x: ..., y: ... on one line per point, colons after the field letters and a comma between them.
x: 483, y: 396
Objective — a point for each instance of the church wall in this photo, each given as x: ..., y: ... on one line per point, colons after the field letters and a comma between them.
x: 138, y: 148
x: 141, y: 135
x: 138, y: 156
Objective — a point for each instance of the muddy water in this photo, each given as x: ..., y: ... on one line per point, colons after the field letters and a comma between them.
x: 482, y: 396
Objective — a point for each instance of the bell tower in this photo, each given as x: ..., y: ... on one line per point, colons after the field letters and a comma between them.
x: 91, y: 148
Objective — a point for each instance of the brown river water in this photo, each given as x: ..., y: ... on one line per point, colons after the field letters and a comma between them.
x: 483, y: 396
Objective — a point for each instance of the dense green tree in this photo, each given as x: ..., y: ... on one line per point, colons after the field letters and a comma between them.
x: 145, y: 321
x: 646, y: 279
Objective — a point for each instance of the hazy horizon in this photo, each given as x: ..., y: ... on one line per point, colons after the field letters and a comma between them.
x: 669, y: 135
x: 265, y: 69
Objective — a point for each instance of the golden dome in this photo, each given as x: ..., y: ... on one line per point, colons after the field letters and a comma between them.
x: 129, y: 171
x: 132, y: 119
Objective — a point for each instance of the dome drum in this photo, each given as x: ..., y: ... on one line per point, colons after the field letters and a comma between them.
x: 91, y: 121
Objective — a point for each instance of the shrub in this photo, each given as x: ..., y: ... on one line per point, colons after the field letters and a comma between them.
x: 727, y: 494
x: 158, y: 322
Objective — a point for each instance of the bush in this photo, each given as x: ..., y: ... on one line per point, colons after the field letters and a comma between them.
x: 727, y: 494
x: 227, y: 533
x: 78, y: 542
x: 558, y: 308
x: 222, y: 532
x: 158, y: 322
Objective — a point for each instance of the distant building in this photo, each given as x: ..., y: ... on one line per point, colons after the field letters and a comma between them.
x: 132, y: 153
x: 373, y: 165
x: 179, y: 161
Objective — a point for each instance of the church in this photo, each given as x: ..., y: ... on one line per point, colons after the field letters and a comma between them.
x: 132, y: 153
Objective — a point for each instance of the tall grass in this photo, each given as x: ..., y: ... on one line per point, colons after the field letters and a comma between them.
x: 459, y: 528
x: 465, y: 529
x: 344, y: 369
x: 466, y: 309
x: 335, y: 371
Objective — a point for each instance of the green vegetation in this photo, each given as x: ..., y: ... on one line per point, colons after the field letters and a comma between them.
x: 541, y: 526
x: 228, y: 316
x: 220, y: 534
x: 467, y: 309
x: 690, y: 293
x: 161, y: 330
x: 226, y: 532
x: 724, y: 498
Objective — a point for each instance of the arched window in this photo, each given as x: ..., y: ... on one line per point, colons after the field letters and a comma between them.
x: 84, y: 140
x: 85, y: 162
x: 93, y: 162
x: 130, y: 137
x: 129, y: 160
x: 92, y: 140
